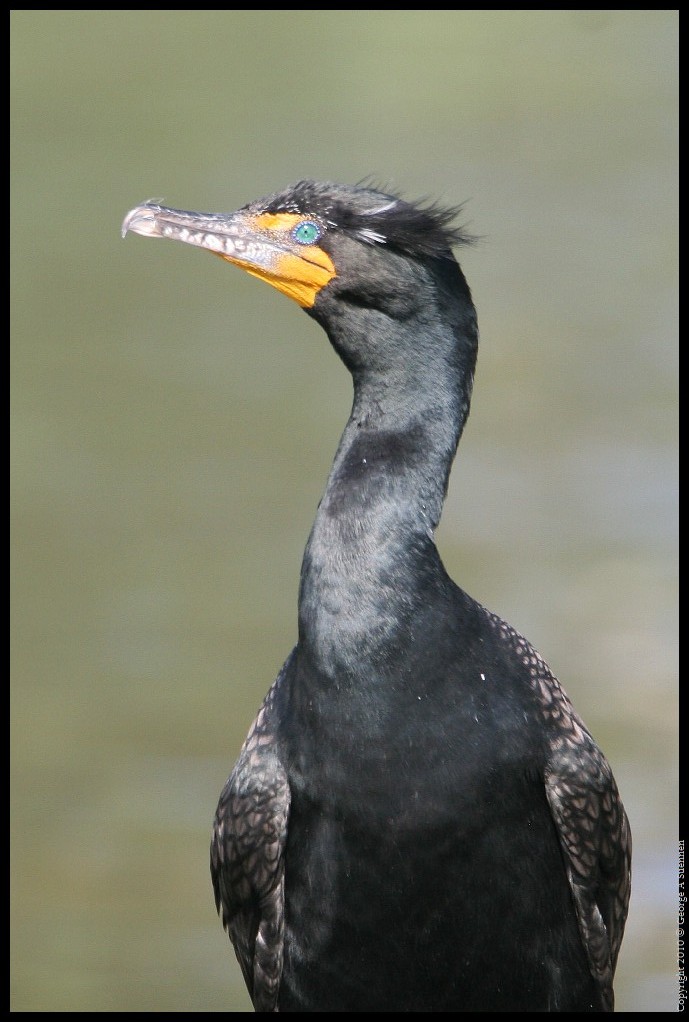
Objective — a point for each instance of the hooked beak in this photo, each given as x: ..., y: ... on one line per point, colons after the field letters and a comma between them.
x: 263, y: 244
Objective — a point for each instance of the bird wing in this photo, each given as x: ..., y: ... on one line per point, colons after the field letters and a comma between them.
x: 595, y: 839
x: 247, y: 864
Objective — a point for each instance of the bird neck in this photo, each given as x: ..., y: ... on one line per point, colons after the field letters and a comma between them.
x: 371, y: 555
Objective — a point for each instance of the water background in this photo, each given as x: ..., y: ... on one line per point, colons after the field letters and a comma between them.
x: 173, y: 422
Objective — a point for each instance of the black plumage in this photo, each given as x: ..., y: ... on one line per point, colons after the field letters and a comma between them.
x: 418, y: 819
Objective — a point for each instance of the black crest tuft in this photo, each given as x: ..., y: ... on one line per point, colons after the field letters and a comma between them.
x: 374, y: 216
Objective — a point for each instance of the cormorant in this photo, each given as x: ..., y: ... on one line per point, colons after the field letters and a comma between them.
x: 418, y: 819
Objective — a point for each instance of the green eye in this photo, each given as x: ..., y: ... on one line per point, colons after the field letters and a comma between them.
x: 306, y: 233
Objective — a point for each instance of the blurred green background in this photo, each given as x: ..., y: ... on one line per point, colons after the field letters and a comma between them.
x: 173, y: 422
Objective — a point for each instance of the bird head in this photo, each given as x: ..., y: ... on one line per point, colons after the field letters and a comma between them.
x: 355, y: 258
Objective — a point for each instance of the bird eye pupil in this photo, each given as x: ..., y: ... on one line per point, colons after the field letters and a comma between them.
x: 306, y: 233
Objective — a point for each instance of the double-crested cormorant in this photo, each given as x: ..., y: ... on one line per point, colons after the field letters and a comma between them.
x: 418, y: 819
